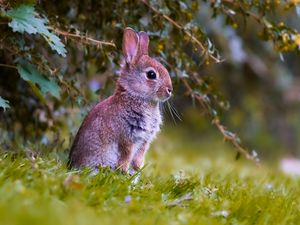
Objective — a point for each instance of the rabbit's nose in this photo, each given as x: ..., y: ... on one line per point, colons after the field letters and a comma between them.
x: 169, y: 90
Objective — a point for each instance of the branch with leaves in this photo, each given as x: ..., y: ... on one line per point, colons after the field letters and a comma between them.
x: 83, y: 38
x: 205, y: 51
x: 228, y: 135
x: 284, y: 38
x: 24, y: 19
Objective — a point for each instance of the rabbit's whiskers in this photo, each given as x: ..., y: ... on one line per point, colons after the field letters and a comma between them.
x: 173, y: 112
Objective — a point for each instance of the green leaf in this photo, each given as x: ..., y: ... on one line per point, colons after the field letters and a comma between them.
x: 55, y: 43
x: 4, y: 103
x: 26, y: 19
x: 29, y: 73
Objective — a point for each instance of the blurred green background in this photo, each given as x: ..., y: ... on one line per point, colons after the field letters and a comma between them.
x: 247, y: 72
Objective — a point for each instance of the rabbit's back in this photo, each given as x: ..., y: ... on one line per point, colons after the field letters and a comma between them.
x: 94, y: 143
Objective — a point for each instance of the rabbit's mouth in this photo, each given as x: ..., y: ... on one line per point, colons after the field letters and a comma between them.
x: 165, y: 97
x: 165, y: 94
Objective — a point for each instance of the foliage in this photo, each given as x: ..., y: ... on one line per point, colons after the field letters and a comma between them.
x: 24, y: 19
x: 4, y: 103
x: 283, y: 37
x: 177, y: 186
x: 29, y: 73
x: 189, y: 37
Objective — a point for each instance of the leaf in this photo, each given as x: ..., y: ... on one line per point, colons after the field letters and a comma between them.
x: 55, y: 44
x: 281, y: 57
x: 237, y: 156
x: 25, y: 19
x: 298, y: 10
x: 29, y: 73
x: 4, y: 103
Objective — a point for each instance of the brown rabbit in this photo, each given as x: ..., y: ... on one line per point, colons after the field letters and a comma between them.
x: 117, y: 132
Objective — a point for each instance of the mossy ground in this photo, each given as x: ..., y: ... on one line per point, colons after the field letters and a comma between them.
x: 179, y: 185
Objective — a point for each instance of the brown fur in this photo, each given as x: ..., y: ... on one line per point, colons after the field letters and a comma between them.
x: 117, y: 132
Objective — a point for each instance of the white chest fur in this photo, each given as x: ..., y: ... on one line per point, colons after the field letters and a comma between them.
x: 142, y: 125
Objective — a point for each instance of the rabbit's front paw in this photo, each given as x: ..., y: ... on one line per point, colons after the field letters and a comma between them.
x: 123, y: 166
x: 138, y: 163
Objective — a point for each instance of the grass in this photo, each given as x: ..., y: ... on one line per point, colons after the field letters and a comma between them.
x: 180, y: 185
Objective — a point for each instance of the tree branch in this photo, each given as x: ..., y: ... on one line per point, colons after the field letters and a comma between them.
x: 8, y: 66
x: 85, y: 39
x: 181, y: 28
x: 233, y: 139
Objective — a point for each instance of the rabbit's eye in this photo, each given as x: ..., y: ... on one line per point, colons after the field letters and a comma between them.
x: 151, y: 75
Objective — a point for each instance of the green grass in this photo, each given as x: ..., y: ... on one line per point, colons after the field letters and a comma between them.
x: 180, y: 185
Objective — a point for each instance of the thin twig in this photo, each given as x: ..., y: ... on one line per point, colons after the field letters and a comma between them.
x: 190, y: 92
x: 8, y: 66
x: 233, y: 140
x: 258, y: 18
x: 86, y: 39
x: 180, y: 27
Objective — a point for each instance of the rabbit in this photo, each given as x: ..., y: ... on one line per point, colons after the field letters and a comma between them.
x: 117, y: 132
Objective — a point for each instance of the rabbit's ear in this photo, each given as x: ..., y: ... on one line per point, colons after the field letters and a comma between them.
x: 130, y: 44
x: 143, y: 43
